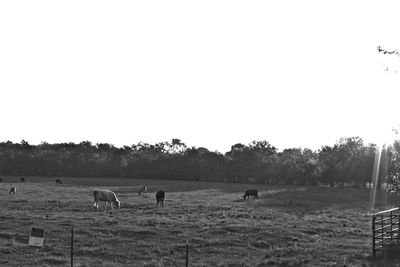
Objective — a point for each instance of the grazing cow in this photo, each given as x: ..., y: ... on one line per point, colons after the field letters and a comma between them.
x: 160, y: 197
x: 107, y: 196
x: 142, y: 190
x: 13, y: 190
x: 58, y: 181
x: 22, y: 179
x: 251, y: 192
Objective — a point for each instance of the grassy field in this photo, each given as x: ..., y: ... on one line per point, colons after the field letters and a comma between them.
x: 286, y: 226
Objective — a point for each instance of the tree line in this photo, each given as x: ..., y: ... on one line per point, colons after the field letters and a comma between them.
x: 348, y: 161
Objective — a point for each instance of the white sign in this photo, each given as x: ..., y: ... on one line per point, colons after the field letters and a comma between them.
x: 37, y: 237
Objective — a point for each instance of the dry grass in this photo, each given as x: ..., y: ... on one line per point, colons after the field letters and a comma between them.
x: 286, y: 226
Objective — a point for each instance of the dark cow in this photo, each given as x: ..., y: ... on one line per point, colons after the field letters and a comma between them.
x: 22, y: 179
x: 13, y: 190
x: 58, y: 181
x: 251, y: 192
x: 160, y: 197
x: 1, y: 180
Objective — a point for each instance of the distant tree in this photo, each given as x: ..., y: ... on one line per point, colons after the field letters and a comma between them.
x: 262, y: 147
x: 390, y: 53
x: 347, y: 161
x: 365, y: 165
x: 176, y: 147
x: 393, y: 177
x: 329, y: 164
x: 384, y: 51
x: 293, y: 166
x: 242, y: 163
x: 349, y: 154
x: 254, y: 161
x: 201, y: 164
x: 25, y: 143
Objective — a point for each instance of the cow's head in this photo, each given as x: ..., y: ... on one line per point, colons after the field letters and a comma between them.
x: 117, y: 203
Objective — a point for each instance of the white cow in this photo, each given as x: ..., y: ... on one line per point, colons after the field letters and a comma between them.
x: 107, y: 196
x: 142, y: 190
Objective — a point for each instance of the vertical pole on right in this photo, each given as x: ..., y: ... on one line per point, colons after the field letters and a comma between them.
x: 72, y: 247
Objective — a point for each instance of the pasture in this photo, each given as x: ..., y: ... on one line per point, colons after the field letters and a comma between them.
x: 285, y: 226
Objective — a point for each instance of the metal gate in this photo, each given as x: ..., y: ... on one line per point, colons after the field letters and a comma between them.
x: 385, y: 232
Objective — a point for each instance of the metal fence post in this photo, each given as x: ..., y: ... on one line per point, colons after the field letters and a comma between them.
x: 72, y: 247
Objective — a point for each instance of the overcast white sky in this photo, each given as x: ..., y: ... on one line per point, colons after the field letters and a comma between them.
x: 212, y: 73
